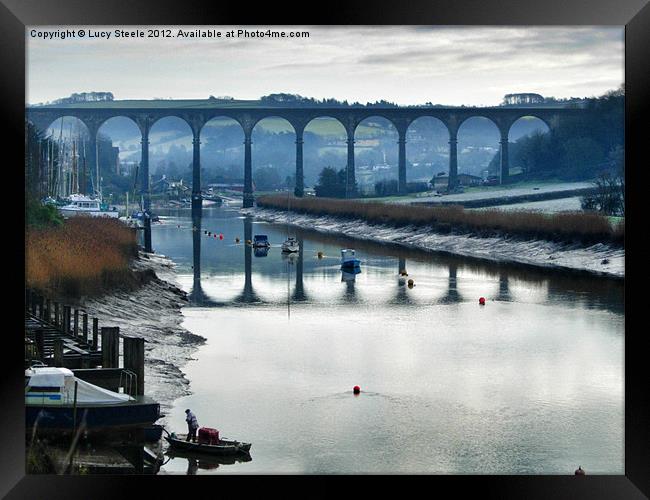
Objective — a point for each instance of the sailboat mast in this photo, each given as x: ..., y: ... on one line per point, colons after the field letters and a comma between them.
x: 99, y: 188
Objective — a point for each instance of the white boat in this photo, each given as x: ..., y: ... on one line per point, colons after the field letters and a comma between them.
x: 82, y: 205
x: 290, y: 245
x: 56, y: 386
x: 131, y: 221
x: 56, y: 399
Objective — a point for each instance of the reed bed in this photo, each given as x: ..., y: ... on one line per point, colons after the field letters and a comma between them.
x: 84, y: 256
x: 576, y: 227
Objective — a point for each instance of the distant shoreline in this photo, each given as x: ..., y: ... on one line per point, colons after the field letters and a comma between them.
x: 598, y: 259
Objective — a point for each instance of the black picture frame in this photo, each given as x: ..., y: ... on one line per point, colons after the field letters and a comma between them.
x: 634, y: 14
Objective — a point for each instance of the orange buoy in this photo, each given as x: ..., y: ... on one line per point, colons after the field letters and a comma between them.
x: 481, y: 301
x: 356, y: 389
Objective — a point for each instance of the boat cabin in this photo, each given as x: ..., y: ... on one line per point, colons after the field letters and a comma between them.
x: 56, y: 386
x: 261, y: 240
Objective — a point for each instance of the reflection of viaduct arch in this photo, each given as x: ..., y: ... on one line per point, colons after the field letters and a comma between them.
x: 452, y: 296
x: 248, y: 295
x: 299, y: 294
x: 197, y: 296
x: 298, y: 117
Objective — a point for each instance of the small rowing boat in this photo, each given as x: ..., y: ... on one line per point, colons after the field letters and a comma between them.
x: 219, y: 447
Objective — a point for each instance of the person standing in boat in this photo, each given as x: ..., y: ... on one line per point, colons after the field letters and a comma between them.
x: 192, y: 425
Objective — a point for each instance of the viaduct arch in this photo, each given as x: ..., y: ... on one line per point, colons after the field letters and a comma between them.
x: 298, y: 117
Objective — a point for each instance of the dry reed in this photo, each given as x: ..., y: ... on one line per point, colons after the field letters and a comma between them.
x: 579, y: 227
x: 84, y: 256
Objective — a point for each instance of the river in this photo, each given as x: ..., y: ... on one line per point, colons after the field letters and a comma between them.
x: 530, y: 383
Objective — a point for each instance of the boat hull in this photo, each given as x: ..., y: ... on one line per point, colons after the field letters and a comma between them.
x: 112, y: 214
x: 228, y: 448
x: 132, y: 414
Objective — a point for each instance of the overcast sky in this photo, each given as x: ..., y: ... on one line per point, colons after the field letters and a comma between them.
x: 406, y: 65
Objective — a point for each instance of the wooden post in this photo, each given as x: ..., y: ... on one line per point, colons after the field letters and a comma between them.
x: 57, y: 315
x: 75, y: 331
x: 134, y: 361
x: 33, y: 303
x: 58, y: 351
x: 48, y: 310
x: 85, y: 361
x: 40, y: 343
x: 41, y: 307
x: 28, y: 298
x: 84, y: 327
x: 110, y: 347
x: 95, y: 333
x: 66, y: 320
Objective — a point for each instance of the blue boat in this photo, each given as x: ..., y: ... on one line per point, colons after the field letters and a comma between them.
x: 348, y: 260
x: 260, y: 241
x: 57, y: 400
x: 140, y: 216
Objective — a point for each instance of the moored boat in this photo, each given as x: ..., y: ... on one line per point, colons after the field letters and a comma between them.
x: 348, y: 259
x: 261, y: 240
x: 56, y: 399
x: 141, y: 215
x: 218, y: 447
x: 290, y: 245
x: 82, y: 205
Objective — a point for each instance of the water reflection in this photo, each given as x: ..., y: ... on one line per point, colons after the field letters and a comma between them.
x: 248, y: 295
x: 526, y: 385
x: 198, y: 461
x: 197, y: 297
x: 582, y: 290
x: 452, y: 296
x: 299, y: 294
x: 504, y: 289
x: 349, y: 277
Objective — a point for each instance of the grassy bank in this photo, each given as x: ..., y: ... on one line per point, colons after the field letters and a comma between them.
x: 83, y: 256
x: 565, y: 227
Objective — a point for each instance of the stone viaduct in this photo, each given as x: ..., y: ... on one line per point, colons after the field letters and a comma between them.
x: 95, y: 114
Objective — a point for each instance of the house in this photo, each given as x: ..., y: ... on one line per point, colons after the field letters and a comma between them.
x: 174, y: 189
x: 442, y: 181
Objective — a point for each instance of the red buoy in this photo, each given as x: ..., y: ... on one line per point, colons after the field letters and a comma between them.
x: 481, y: 301
x: 356, y: 389
x: 221, y: 236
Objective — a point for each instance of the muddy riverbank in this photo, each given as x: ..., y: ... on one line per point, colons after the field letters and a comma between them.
x: 600, y: 258
x: 153, y: 311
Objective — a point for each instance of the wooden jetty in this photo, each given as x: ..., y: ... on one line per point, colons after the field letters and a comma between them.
x: 65, y: 336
